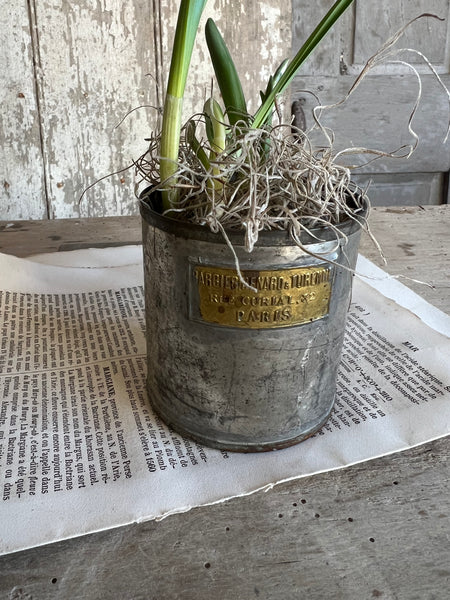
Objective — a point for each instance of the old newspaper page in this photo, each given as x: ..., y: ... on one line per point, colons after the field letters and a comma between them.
x: 82, y: 451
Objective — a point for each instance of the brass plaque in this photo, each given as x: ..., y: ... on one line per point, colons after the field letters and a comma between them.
x: 283, y: 298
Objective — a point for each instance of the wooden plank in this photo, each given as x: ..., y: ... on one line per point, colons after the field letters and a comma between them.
x: 21, y: 165
x: 91, y: 66
x: 404, y: 189
x: 376, y: 116
x: 325, y: 58
x: 391, y: 16
x: 377, y: 530
x: 95, y: 57
x: 416, y: 244
x: 96, y: 61
x: 24, y: 238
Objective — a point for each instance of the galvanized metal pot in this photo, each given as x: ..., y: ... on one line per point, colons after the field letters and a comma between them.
x: 238, y: 369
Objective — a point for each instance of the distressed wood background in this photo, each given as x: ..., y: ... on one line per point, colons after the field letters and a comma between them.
x: 376, y: 115
x: 71, y: 72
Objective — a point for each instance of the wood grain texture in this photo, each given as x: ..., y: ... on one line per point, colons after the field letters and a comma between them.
x: 21, y: 164
x: 71, y: 72
x: 416, y: 244
x: 403, y: 189
x: 375, y: 22
x: 375, y: 530
x: 23, y: 238
x: 325, y: 58
x: 377, y: 114
x: 82, y: 67
x: 94, y: 57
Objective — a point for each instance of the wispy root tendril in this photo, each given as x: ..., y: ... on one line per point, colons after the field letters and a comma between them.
x: 266, y: 179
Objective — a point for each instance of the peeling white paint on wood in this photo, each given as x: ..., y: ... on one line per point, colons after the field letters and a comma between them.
x: 96, y: 60
x: 94, y: 56
x: 22, y: 187
x: 69, y: 72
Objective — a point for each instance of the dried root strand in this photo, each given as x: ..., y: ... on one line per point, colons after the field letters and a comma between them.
x: 267, y: 179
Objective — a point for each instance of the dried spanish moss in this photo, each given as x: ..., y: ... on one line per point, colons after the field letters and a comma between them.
x: 266, y: 179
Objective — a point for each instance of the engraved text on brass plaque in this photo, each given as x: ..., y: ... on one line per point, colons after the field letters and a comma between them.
x: 283, y: 298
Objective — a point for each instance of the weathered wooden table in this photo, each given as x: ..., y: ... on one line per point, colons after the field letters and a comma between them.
x: 380, y: 529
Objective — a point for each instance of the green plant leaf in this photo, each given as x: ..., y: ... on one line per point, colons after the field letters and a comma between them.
x: 226, y: 74
x: 273, y: 80
x: 215, y: 125
x: 322, y: 28
x: 187, y: 25
x: 216, y: 132
x: 195, y: 145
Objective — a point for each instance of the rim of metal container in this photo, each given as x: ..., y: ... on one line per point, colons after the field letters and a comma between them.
x: 192, y: 231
